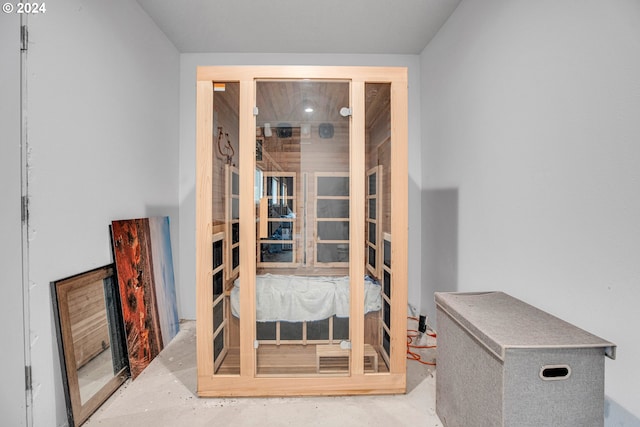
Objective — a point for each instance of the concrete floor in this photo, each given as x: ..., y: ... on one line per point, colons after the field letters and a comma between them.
x: 164, y: 395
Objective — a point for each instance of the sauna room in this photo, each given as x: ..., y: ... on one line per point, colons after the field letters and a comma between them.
x: 296, y: 219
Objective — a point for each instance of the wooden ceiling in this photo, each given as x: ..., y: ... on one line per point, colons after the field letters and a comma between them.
x: 285, y: 101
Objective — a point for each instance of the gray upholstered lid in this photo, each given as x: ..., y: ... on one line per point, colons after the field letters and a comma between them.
x: 501, y: 321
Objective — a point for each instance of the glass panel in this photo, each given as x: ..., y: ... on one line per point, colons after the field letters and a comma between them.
x: 235, y: 208
x: 386, y: 315
x: 235, y: 233
x: 291, y: 330
x: 281, y: 209
x: 275, y: 252
x: 280, y: 186
x: 235, y: 257
x: 318, y: 330
x: 235, y: 184
x: 218, y: 281
x: 218, y: 345
x: 286, y: 186
x: 372, y: 257
x: 272, y: 186
x: 387, y: 253
x: 333, y: 208
x: 372, y: 232
x: 333, y: 230
x: 340, y: 328
x: 217, y: 254
x: 333, y: 252
x: 218, y: 315
x: 372, y: 184
x: 266, y: 330
x: 378, y: 208
x: 289, y: 187
x: 386, y: 342
x: 387, y: 284
x: 280, y: 230
x: 305, y: 178
x: 257, y: 184
x: 226, y: 215
x: 333, y: 186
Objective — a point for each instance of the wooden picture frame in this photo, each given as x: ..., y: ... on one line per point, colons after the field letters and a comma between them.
x: 90, y: 334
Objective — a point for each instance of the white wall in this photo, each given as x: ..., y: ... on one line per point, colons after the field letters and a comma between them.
x: 103, y: 139
x: 12, y: 395
x: 188, y: 65
x: 531, y: 116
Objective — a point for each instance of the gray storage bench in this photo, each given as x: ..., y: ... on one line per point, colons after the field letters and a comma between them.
x: 502, y: 362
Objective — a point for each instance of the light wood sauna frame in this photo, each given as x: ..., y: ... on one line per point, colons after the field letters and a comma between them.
x: 247, y: 383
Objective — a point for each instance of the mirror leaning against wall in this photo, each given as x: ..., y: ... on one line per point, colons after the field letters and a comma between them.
x: 91, y: 340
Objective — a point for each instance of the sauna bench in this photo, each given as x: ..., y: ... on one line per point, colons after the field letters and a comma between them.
x: 335, y: 351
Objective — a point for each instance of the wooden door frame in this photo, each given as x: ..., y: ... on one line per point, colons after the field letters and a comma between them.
x: 16, y: 307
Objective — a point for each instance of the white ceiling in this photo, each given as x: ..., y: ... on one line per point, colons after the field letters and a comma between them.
x: 300, y: 26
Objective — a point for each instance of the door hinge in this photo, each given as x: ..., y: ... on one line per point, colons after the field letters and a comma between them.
x: 255, y: 111
x: 27, y: 377
x: 24, y: 209
x: 24, y: 38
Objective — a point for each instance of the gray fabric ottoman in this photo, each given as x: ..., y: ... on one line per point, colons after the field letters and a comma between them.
x: 502, y: 362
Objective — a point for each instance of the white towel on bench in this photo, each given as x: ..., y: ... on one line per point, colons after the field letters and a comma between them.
x: 304, y: 298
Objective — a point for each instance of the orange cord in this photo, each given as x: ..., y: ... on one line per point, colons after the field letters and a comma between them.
x: 415, y: 356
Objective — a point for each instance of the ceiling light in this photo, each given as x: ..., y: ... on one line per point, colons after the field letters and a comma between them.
x: 307, y: 105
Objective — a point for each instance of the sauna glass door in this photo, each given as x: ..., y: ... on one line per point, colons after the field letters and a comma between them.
x: 223, y: 214
x: 302, y: 216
